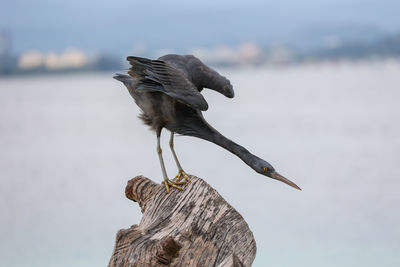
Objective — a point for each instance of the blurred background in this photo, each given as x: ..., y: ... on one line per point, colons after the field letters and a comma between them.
x: 317, y: 87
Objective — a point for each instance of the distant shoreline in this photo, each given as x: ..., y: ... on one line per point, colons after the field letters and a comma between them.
x: 267, y: 65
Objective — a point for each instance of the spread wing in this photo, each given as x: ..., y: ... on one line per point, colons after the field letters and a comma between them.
x: 159, y: 76
x: 201, y: 75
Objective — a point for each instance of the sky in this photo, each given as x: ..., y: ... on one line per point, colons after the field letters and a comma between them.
x: 121, y: 26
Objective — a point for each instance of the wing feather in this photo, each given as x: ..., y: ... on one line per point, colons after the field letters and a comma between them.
x: 157, y: 75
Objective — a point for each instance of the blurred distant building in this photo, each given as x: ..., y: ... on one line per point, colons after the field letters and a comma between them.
x: 7, y: 60
x: 334, y: 49
x: 279, y: 54
x: 5, y: 43
x: 69, y: 59
x: 30, y: 59
x: 245, y: 54
x: 332, y: 42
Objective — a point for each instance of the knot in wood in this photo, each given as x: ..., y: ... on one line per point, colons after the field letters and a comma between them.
x: 167, y: 250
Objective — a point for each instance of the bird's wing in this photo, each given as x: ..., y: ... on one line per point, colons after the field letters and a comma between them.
x: 157, y: 75
x: 204, y: 76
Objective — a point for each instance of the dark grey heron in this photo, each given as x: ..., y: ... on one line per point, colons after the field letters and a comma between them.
x: 167, y: 90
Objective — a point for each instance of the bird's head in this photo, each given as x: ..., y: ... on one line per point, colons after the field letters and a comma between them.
x: 264, y: 168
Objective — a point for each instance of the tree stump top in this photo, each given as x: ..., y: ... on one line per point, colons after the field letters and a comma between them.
x: 194, y: 227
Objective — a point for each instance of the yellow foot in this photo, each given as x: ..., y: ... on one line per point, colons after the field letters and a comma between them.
x: 168, y: 183
x: 182, y: 174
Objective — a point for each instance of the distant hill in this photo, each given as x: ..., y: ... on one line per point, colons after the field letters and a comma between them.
x: 385, y: 47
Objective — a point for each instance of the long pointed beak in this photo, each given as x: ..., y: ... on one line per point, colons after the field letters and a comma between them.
x: 279, y: 177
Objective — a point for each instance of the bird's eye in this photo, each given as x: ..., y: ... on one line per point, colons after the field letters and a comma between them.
x: 265, y: 169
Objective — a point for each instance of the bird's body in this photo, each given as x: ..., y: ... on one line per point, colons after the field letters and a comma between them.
x: 160, y: 110
x: 167, y: 91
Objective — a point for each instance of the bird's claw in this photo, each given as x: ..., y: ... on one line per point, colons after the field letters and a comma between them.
x: 182, y: 174
x: 168, y: 183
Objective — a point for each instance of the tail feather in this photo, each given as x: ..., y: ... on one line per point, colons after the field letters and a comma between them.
x: 122, y: 77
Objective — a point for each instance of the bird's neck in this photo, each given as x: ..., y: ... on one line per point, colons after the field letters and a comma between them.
x: 236, y: 149
x: 201, y: 129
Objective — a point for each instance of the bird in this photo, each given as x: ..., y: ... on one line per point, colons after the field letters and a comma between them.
x: 168, y: 92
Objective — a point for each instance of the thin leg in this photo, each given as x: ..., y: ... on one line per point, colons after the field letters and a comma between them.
x: 159, y: 152
x: 171, y: 145
x: 166, y: 181
x: 181, y: 172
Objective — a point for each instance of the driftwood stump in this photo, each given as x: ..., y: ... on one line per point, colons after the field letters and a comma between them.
x: 195, y: 227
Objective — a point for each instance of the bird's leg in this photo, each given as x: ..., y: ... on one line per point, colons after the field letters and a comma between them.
x: 166, y: 181
x: 181, y: 173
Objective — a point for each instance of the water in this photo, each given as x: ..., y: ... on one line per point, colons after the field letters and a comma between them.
x: 68, y: 145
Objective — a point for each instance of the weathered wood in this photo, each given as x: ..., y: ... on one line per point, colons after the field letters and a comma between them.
x: 195, y: 227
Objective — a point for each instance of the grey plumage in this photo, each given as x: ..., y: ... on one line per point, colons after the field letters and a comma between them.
x: 168, y: 91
